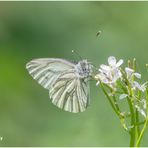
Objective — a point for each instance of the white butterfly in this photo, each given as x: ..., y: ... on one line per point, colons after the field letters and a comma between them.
x: 67, y: 82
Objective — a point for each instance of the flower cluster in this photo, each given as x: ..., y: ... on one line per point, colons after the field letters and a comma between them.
x: 134, y: 84
x: 112, y: 75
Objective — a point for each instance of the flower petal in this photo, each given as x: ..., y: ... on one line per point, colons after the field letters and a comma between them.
x: 103, y: 71
x: 112, y: 61
x: 144, y: 103
x: 143, y: 86
x: 119, y: 63
x: 137, y: 75
x: 101, y: 77
x: 142, y: 112
x: 140, y: 87
x: 117, y: 73
x: 122, y: 96
x: 105, y: 67
x: 97, y: 83
x: 137, y: 85
x: 129, y: 70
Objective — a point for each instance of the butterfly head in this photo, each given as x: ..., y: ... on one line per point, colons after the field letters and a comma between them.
x: 84, y: 68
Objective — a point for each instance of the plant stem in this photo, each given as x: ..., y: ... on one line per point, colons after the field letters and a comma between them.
x: 110, y: 101
x: 145, y: 124
x: 115, y: 102
x: 141, y: 134
x: 132, y: 132
x: 137, y: 116
x: 129, y: 99
x: 137, y: 121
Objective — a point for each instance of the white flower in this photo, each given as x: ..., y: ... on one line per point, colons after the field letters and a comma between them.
x: 137, y: 75
x: 130, y: 75
x: 129, y: 71
x: 101, y: 77
x: 109, y: 74
x: 112, y: 63
x: 140, y: 87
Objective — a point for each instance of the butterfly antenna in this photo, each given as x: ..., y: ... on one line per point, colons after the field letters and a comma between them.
x: 74, y: 51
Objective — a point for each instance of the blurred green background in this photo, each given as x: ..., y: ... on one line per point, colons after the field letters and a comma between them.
x: 31, y: 30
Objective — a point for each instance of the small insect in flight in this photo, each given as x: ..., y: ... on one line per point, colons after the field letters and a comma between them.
x: 67, y: 82
x: 98, y: 33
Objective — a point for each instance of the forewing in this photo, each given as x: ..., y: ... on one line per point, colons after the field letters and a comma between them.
x: 70, y: 93
x: 47, y: 70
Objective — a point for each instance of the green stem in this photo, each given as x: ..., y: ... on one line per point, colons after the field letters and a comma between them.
x: 145, y: 124
x: 115, y: 102
x: 137, y: 126
x: 140, y: 123
x: 110, y: 101
x: 141, y: 134
x: 137, y: 121
x: 132, y: 132
x: 129, y: 99
x: 137, y: 116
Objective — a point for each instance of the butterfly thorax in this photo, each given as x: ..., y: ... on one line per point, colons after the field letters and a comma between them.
x: 84, y: 69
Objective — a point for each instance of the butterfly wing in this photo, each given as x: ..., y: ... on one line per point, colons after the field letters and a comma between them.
x: 66, y: 90
x: 70, y: 93
x: 47, y: 70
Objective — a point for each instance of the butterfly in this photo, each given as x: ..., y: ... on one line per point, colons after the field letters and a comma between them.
x: 67, y: 82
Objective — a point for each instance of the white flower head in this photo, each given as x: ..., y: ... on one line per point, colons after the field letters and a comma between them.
x: 130, y: 75
x: 109, y: 74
